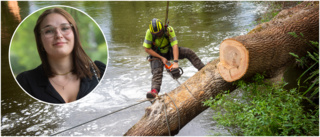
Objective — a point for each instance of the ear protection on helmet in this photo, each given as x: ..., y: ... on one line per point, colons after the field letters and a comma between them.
x: 155, y: 25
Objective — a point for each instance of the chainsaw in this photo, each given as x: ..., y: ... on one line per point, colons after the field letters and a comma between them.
x: 174, y: 73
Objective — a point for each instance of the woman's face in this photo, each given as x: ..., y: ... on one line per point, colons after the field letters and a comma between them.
x: 57, y: 36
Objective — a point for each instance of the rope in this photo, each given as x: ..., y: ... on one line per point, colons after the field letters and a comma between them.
x: 167, y: 11
x: 99, y: 117
x: 165, y: 111
x: 158, y: 97
x: 186, y: 88
x: 177, y: 110
x: 190, y: 93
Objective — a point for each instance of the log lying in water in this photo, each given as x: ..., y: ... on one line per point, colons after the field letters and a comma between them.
x: 203, y: 85
x: 265, y: 49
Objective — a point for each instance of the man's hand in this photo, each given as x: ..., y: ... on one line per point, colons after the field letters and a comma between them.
x: 164, y: 60
x: 155, y: 54
x: 175, y: 66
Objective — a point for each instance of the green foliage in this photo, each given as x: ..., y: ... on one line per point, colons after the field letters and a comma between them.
x: 311, y: 62
x: 274, y: 8
x: 264, y: 110
x: 23, y: 50
x: 293, y: 34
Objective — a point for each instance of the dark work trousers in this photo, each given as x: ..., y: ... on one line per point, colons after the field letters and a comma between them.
x: 157, y: 65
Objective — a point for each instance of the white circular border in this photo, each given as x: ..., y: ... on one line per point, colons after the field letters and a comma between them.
x: 73, y: 102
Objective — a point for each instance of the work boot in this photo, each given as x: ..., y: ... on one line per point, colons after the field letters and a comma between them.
x: 152, y: 94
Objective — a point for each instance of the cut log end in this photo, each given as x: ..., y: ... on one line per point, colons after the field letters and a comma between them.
x: 234, y: 60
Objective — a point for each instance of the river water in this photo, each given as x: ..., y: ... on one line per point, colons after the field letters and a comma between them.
x: 200, y: 26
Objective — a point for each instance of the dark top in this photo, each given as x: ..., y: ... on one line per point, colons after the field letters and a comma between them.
x: 37, y: 84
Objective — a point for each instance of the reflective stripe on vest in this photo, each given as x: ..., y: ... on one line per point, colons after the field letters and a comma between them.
x: 173, y: 39
x: 147, y: 41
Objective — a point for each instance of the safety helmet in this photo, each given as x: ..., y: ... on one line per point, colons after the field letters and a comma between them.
x: 155, y: 25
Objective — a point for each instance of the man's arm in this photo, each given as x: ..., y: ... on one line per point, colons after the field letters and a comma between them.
x: 175, y: 49
x: 155, y: 54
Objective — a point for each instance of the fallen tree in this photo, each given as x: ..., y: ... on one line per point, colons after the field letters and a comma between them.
x: 206, y: 83
x: 265, y: 49
x: 267, y: 46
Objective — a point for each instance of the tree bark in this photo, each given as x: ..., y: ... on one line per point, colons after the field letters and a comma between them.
x: 267, y: 46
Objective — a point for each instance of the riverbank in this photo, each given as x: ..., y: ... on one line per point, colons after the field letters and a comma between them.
x: 271, y: 109
x: 273, y: 8
x: 199, y: 25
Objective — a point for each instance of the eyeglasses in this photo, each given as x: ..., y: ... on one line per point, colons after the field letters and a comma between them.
x: 50, y: 31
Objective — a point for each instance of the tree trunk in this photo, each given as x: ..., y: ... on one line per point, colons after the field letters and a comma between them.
x: 204, y: 84
x: 265, y: 49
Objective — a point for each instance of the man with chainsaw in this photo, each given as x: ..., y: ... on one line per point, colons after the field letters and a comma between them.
x: 162, y: 45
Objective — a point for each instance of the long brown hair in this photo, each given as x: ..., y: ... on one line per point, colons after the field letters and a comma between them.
x: 81, y: 61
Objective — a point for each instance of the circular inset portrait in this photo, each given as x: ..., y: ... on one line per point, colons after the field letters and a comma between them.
x: 58, y: 54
